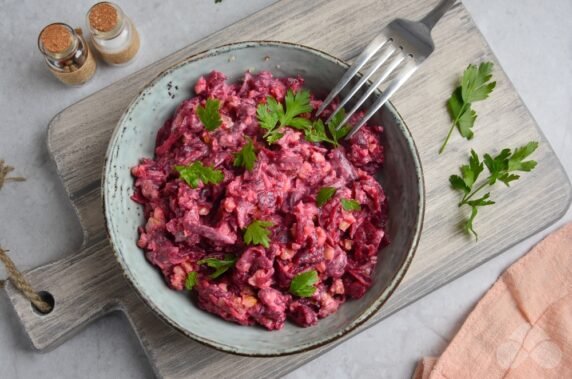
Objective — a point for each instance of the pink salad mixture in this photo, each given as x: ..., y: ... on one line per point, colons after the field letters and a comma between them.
x: 185, y: 225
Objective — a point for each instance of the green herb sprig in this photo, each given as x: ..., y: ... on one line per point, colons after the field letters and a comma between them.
x: 317, y: 133
x: 302, y: 285
x: 196, y: 173
x: 209, y: 114
x: 246, y: 157
x: 475, y: 86
x: 220, y: 265
x: 258, y: 233
x: 338, y: 134
x: 351, y: 205
x: 501, y: 167
x: 273, y: 116
x: 324, y: 195
x: 191, y: 280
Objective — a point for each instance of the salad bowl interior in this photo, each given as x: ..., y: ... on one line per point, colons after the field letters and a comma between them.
x: 134, y: 137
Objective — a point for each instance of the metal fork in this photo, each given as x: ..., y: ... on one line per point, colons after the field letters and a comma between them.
x: 407, y: 43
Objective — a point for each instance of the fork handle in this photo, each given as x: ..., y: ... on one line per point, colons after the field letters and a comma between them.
x: 435, y: 15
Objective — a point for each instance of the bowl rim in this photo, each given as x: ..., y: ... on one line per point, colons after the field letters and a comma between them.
x: 363, y: 317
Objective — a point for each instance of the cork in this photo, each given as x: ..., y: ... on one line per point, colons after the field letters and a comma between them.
x: 56, y: 38
x: 103, y: 17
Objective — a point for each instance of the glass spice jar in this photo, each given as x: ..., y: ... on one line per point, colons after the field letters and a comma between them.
x: 113, y: 34
x: 67, y: 54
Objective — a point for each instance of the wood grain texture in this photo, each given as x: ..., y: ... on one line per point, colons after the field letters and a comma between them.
x: 89, y: 284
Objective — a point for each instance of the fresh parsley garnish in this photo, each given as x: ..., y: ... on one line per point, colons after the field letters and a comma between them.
x: 258, y: 233
x: 191, y: 280
x: 274, y: 136
x: 209, y: 114
x: 296, y: 104
x: 302, y: 285
x: 268, y: 115
x: 195, y: 173
x: 317, y: 133
x: 475, y: 204
x: 501, y: 167
x: 246, y: 157
x: 272, y: 116
x: 337, y: 135
x: 220, y: 265
x: 475, y: 86
x: 325, y: 194
x: 351, y: 205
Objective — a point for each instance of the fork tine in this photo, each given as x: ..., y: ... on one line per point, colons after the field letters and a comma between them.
x: 361, y: 60
x: 392, y: 66
x: 394, y: 86
x: 379, y: 62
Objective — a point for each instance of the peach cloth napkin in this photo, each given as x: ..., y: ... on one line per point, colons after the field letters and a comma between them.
x: 522, y: 327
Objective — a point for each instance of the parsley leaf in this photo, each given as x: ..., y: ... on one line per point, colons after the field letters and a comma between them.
x: 220, y: 265
x: 274, y: 136
x: 459, y: 184
x: 462, y: 114
x: 470, y: 173
x: 337, y: 135
x: 296, y: 104
x: 195, y: 173
x: 268, y: 114
x: 475, y: 86
x: 302, y: 285
x: 272, y: 116
x: 209, y: 114
x: 351, y: 205
x: 317, y: 133
x: 475, y: 204
x: 516, y: 163
x: 501, y: 168
x: 300, y: 123
x: 258, y: 233
x: 246, y: 156
x: 191, y: 280
x: 325, y: 194
x: 497, y: 165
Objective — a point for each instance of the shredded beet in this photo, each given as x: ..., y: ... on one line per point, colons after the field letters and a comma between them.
x: 184, y: 225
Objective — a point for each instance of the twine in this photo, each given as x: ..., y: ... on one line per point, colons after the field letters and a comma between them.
x: 4, y: 171
x: 20, y: 282
x: 14, y: 275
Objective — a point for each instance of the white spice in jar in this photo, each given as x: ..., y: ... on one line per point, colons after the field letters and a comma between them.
x: 113, y: 34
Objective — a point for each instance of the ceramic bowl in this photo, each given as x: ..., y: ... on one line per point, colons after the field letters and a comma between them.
x: 134, y: 138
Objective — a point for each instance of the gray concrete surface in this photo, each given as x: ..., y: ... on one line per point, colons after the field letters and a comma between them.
x: 531, y: 39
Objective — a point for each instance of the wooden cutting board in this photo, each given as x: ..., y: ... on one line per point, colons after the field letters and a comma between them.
x: 89, y: 284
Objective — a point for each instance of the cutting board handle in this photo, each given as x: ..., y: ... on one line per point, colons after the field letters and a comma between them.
x: 85, y: 286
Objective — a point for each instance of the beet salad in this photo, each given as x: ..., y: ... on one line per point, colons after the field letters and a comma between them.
x: 258, y: 209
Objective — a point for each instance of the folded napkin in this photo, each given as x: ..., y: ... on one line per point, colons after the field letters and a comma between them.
x: 522, y: 327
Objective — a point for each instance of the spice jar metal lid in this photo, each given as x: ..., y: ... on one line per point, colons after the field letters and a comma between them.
x: 57, y: 41
x: 105, y: 20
